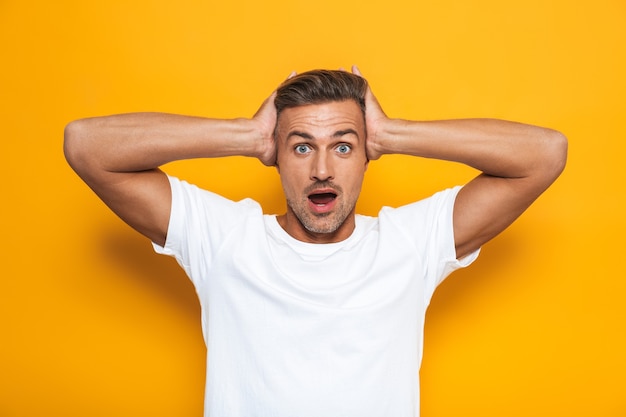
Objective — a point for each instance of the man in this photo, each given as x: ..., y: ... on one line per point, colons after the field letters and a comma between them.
x: 318, y: 311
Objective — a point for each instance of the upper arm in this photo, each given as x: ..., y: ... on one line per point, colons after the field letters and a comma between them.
x: 489, y: 204
x: 142, y: 199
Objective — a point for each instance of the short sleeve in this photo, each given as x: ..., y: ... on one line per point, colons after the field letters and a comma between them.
x: 428, y: 224
x: 199, y: 222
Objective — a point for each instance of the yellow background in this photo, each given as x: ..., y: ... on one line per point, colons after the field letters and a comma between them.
x: 92, y: 323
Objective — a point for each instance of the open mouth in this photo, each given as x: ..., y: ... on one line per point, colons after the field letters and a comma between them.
x: 321, y: 199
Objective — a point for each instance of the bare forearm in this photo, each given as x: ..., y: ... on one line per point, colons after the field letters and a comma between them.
x: 495, y: 147
x: 143, y: 141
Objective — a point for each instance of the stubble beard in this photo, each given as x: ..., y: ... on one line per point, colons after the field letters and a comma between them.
x: 321, y: 222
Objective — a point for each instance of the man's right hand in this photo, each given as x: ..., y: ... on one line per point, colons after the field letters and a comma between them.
x: 265, y: 122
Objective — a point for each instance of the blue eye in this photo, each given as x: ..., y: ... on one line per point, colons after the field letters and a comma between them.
x: 302, y: 149
x: 343, y: 149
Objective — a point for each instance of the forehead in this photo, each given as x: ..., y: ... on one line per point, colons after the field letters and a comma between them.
x: 320, y: 119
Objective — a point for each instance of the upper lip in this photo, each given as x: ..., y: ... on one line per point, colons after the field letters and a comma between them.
x: 319, y: 191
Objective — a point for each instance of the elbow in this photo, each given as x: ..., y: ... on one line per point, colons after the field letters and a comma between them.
x: 74, y: 144
x: 555, y: 154
x: 559, y: 147
x: 70, y: 142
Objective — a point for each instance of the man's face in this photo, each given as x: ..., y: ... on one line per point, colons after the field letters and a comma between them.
x: 322, y: 161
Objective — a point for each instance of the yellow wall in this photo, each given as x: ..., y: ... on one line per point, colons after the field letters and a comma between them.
x: 92, y: 323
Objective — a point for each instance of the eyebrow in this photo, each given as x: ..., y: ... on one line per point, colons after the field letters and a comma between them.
x: 307, y: 136
x: 299, y: 134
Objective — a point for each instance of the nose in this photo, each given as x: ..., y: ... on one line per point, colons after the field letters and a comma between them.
x: 322, y: 167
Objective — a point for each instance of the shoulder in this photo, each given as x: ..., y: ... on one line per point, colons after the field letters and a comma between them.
x: 438, y: 204
x: 204, y: 214
x: 192, y: 197
x: 426, y: 225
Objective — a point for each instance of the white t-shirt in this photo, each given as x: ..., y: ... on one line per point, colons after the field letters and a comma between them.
x: 296, y: 329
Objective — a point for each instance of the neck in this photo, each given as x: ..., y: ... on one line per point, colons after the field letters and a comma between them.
x: 294, y: 227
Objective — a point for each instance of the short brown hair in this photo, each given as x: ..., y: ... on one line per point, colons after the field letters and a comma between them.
x: 321, y: 86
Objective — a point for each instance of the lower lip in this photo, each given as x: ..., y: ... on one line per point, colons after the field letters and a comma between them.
x: 322, y: 208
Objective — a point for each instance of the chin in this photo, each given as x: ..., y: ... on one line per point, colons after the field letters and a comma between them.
x: 328, y: 226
